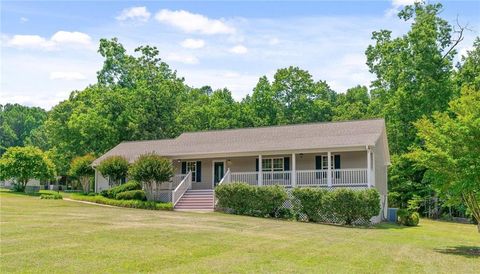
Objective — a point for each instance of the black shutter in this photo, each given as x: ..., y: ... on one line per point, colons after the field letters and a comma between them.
x: 336, y: 165
x: 256, y: 164
x: 199, y: 171
x: 184, y: 167
x: 318, y: 162
x: 286, y: 163
x: 337, y: 162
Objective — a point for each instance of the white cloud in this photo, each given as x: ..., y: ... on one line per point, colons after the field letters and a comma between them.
x: 67, y: 75
x: 23, y: 19
x: 29, y: 41
x: 67, y: 37
x: 74, y: 38
x: 134, y: 13
x: 193, y: 22
x: 238, y: 49
x: 185, y: 59
x: 192, y: 43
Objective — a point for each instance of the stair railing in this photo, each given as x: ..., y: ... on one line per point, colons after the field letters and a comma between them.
x: 226, y: 179
x: 184, y: 185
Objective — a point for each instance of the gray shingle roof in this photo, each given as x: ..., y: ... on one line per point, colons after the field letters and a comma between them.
x: 261, y: 139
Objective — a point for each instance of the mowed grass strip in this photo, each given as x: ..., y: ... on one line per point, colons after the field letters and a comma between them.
x: 61, y: 236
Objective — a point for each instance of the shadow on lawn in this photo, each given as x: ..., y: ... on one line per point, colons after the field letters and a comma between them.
x: 462, y: 250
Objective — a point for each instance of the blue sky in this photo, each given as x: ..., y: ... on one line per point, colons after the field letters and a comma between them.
x: 49, y: 48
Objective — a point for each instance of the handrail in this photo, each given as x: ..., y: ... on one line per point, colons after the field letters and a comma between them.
x: 226, y: 178
x: 184, y: 185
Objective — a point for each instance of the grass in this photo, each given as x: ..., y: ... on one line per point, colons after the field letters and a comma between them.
x: 62, y: 236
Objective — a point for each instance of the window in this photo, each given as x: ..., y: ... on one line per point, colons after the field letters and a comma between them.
x: 325, y: 162
x: 192, y: 166
x: 272, y: 164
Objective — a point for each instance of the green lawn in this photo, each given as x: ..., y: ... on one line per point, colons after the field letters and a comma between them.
x: 61, y: 236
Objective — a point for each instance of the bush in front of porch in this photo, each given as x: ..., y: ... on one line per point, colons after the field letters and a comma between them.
x: 342, y: 205
x: 244, y: 199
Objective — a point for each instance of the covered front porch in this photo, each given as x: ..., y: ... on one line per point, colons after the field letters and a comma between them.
x: 322, y: 169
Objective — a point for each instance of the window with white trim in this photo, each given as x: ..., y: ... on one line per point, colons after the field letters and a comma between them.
x: 272, y: 164
x: 192, y: 166
x: 325, y: 162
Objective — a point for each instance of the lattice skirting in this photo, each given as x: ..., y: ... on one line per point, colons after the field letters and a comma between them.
x: 293, y: 204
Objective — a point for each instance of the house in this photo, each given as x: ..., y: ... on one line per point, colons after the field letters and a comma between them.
x: 350, y: 154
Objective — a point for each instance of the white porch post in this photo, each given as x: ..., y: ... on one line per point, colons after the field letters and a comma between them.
x: 260, y: 172
x: 294, y: 171
x: 373, y: 168
x: 329, y: 169
x: 369, y: 167
x: 96, y: 180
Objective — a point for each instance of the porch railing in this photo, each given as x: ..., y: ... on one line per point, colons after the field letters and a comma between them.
x: 306, y: 178
x: 281, y: 178
x: 225, y: 179
x: 349, y: 177
x: 355, y: 177
x: 245, y: 177
x: 184, y: 185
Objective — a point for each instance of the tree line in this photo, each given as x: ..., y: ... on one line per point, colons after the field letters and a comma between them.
x: 139, y: 97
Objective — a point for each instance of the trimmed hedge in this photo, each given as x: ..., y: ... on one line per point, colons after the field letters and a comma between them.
x: 244, y: 199
x: 343, y: 206
x: 124, y: 203
x: 408, y: 218
x: 112, y: 192
x: 51, y: 196
x: 132, y: 195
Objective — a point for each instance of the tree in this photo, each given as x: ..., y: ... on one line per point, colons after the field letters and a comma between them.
x: 451, y: 149
x: 17, y: 122
x: 81, y: 167
x: 115, y: 168
x: 150, y: 170
x: 24, y: 164
x: 469, y: 70
x: 413, y: 72
x: 353, y: 104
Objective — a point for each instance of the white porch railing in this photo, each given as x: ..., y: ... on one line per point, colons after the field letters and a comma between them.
x: 304, y: 178
x: 349, y: 177
x: 281, y: 178
x: 184, y: 185
x: 250, y: 178
x: 226, y: 178
x: 307, y: 178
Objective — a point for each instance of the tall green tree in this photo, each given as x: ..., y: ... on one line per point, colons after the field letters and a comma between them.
x: 17, y: 122
x: 352, y: 105
x: 469, y: 69
x: 451, y: 149
x: 413, y: 72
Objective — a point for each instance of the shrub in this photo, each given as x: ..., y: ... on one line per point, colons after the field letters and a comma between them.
x: 124, y: 203
x: 408, y: 218
x: 53, y: 196
x: 132, y: 195
x: 310, y: 202
x: 114, y: 191
x: 115, y: 168
x: 150, y: 170
x: 245, y: 199
x: 344, y: 206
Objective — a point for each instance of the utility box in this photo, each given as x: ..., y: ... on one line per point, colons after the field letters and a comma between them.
x: 392, y: 215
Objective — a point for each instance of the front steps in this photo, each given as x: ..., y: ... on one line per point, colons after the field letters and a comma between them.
x: 196, y: 200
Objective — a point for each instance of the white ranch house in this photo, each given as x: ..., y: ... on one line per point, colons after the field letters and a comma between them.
x: 350, y: 154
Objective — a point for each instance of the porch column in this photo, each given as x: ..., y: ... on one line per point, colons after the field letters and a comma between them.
x: 373, y: 169
x: 260, y: 172
x: 329, y: 169
x: 369, y: 167
x: 294, y: 171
